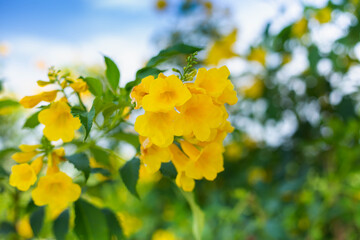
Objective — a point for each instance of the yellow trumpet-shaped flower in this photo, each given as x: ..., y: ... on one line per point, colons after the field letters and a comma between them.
x: 141, y: 90
x: 22, y: 176
x: 54, y: 158
x: 59, y: 123
x: 158, y: 127
x: 23, y: 228
x: 198, y: 116
x: 152, y: 156
x: 27, y: 153
x: 214, y: 81
x: 324, y: 15
x: 299, y: 28
x: 79, y: 85
x: 32, y: 101
x: 184, y: 182
x: 222, y: 49
x: 257, y: 54
x: 165, y: 94
x: 56, y: 190
x: 255, y: 90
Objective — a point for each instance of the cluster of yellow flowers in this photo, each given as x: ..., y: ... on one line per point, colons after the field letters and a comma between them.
x: 185, y: 122
x: 55, y: 189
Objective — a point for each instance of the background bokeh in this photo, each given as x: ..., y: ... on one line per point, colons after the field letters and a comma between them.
x: 292, y: 164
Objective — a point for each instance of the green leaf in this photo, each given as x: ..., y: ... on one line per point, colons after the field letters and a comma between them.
x: 8, y: 103
x: 113, y: 224
x: 6, y: 228
x: 61, y: 225
x: 81, y: 162
x: 37, y: 220
x: 86, y: 118
x: 130, y: 175
x: 198, y: 215
x: 102, y: 171
x: 95, y: 86
x: 142, y: 73
x: 3, y: 173
x: 112, y: 73
x: 170, y: 52
x: 90, y: 222
x: 32, y: 121
x: 100, y: 155
x: 168, y: 170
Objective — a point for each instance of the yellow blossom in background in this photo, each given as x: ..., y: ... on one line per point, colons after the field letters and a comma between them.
x: 79, y: 85
x: 198, y: 116
x: 253, y: 91
x: 141, y: 90
x: 233, y: 151
x: 4, y: 49
x: 257, y: 175
x: 56, y: 190
x: 158, y: 127
x: 162, y: 234
x: 130, y: 224
x: 286, y: 58
x: 222, y: 49
x: 59, y: 123
x: 161, y: 4
x: 23, y: 176
x: 23, y: 228
x: 257, y: 54
x: 32, y: 101
x: 165, y: 94
x: 208, y: 6
x: 299, y: 28
x: 323, y: 15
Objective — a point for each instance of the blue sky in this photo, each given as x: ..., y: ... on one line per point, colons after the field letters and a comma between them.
x: 67, y: 32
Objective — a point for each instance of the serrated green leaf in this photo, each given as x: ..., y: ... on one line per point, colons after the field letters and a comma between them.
x: 86, y: 118
x: 37, y: 220
x: 112, y: 73
x: 130, y: 175
x: 95, y: 86
x: 170, y: 52
x: 90, y: 222
x: 168, y: 170
x: 113, y: 224
x: 32, y: 121
x: 81, y: 162
x: 61, y: 225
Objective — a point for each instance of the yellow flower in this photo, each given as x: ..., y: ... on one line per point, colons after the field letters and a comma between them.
x: 32, y: 101
x: 141, y: 90
x: 158, y: 127
x: 207, y: 163
x: 214, y: 81
x: 198, y: 116
x: 59, y: 123
x: 257, y: 54
x: 23, y: 228
x: 42, y: 83
x: 152, y: 156
x: 130, y: 224
x: 161, y: 4
x: 163, y: 235
x: 257, y: 175
x: 254, y: 91
x: 233, y: 151
x: 228, y: 96
x: 184, y: 182
x: 222, y: 49
x: 54, y: 158
x: 299, y: 28
x: 23, y: 157
x: 323, y: 15
x: 79, y: 85
x: 165, y: 94
x: 178, y: 158
x: 286, y: 58
x: 37, y: 164
x: 56, y: 190
x: 22, y: 176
